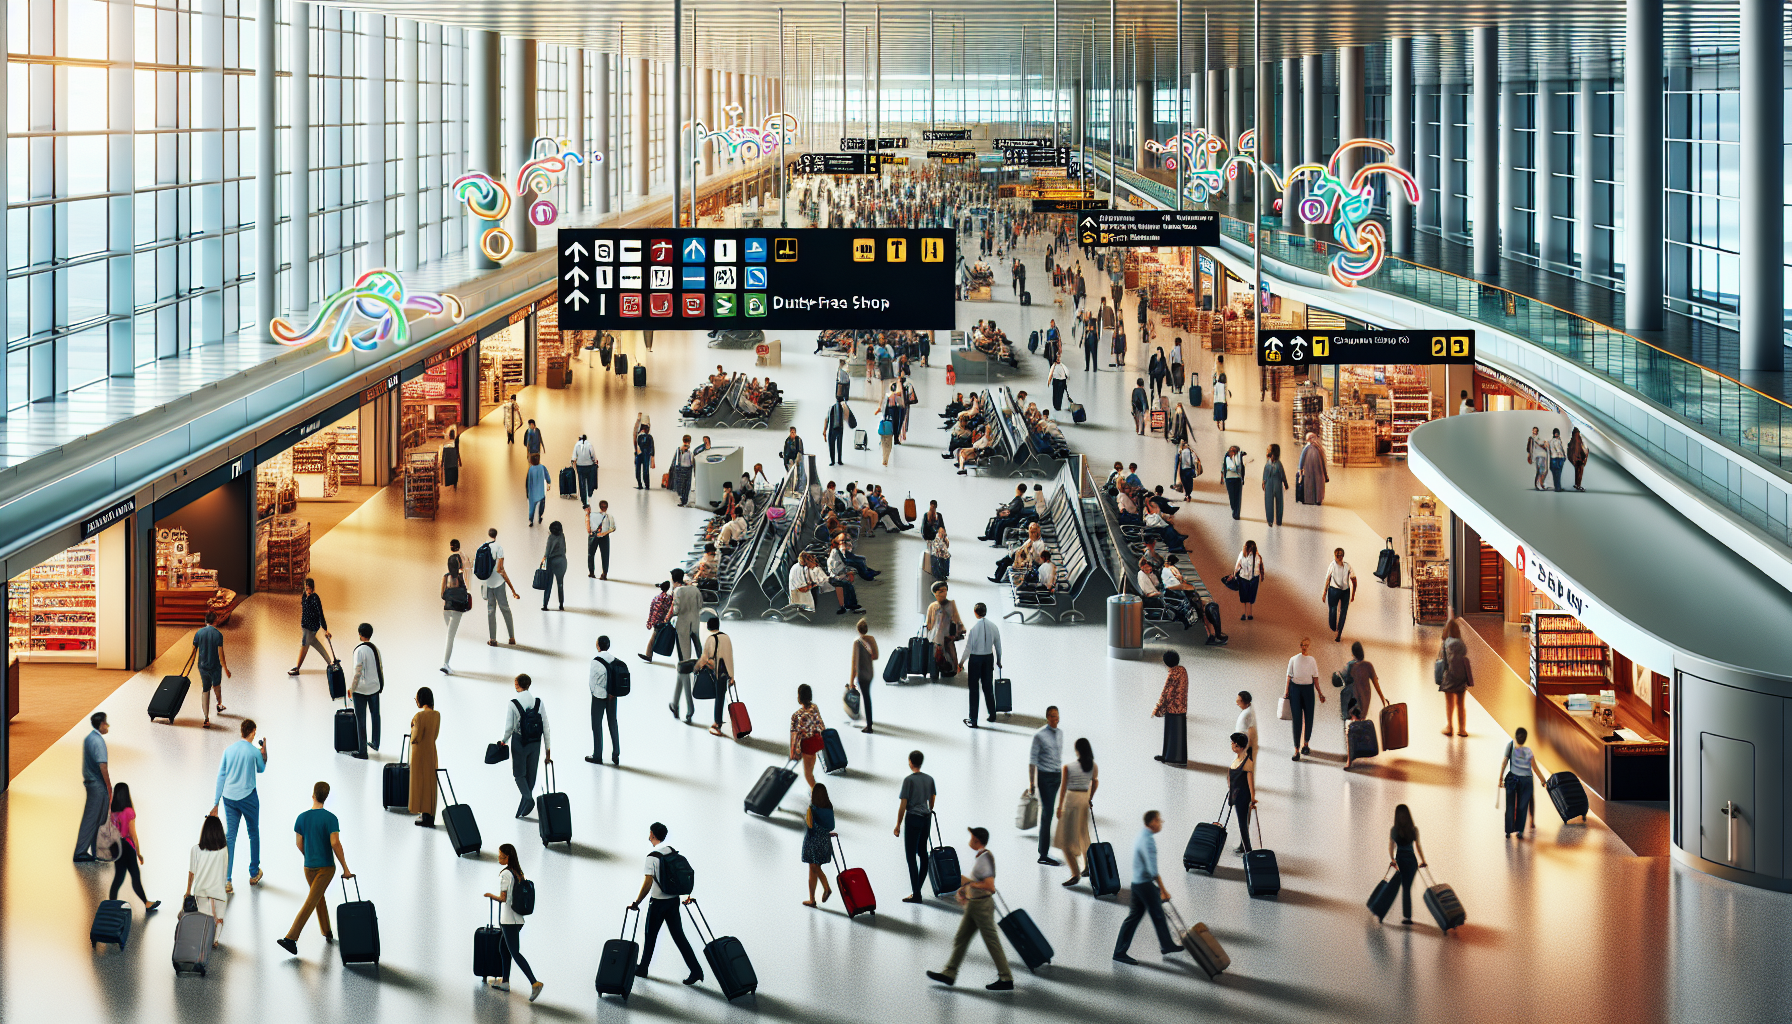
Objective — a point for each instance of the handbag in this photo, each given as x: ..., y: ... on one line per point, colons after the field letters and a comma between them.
x: 1231, y: 582
x: 853, y: 701
x: 1285, y: 708
x: 703, y: 687
x: 1300, y: 491
x: 544, y: 580
x: 886, y: 428
x: 496, y: 753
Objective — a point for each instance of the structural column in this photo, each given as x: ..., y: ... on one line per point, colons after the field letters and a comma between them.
x: 298, y: 145
x: 1643, y: 144
x: 1425, y: 155
x: 1485, y: 164
x: 638, y: 157
x: 1552, y: 236
x: 1350, y: 106
x: 1145, y: 119
x: 1594, y: 256
x: 1763, y: 164
x: 1312, y: 120
x: 576, y: 174
x: 706, y: 112
x: 1216, y: 105
x: 603, y: 143
x: 1451, y: 215
x: 1400, y: 133
x: 410, y: 196
x: 208, y: 200
x: 519, y: 130
x: 1290, y: 151
x: 1234, y: 128
x: 267, y: 159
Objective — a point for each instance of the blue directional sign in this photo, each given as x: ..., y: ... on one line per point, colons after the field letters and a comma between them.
x: 755, y: 250
x: 755, y: 277
x: 696, y: 250
x: 693, y: 277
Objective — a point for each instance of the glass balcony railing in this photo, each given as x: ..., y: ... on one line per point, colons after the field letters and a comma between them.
x: 1715, y: 404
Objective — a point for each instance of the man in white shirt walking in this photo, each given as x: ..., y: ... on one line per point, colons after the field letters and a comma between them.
x: 584, y: 463
x: 1339, y: 592
x: 603, y: 676
x: 369, y: 680
x: 493, y: 586
x: 1303, y: 680
x: 526, y: 729
x: 597, y: 537
x: 983, y: 654
x: 1247, y: 718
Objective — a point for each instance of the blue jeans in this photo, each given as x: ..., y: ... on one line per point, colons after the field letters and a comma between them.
x: 1555, y: 470
x: 234, y: 810
x: 538, y: 507
x: 858, y: 564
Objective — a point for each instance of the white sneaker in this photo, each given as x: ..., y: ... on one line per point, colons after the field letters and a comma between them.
x: 447, y: 671
x: 502, y: 986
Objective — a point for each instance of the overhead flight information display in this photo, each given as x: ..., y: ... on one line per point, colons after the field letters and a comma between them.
x: 839, y: 163
x: 1149, y: 227
x: 946, y: 135
x: 1039, y: 156
x: 814, y: 279
x: 1301, y: 348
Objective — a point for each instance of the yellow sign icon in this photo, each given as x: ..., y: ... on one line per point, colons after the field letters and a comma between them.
x: 784, y: 250
x: 1449, y: 346
x: 864, y: 250
x: 933, y: 250
x: 896, y: 250
x: 1322, y: 346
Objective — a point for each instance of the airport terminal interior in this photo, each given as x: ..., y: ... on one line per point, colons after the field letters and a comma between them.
x: 975, y: 372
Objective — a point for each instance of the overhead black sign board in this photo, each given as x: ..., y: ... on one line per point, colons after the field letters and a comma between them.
x: 1149, y: 227
x: 892, y: 142
x: 839, y: 163
x: 1022, y: 143
x: 734, y: 279
x: 1303, y: 348
x: 1068, y: 205
x: 99, y: 521
x: 853, y: 145
x: 946, y: 135
x: 952, y: 156
x: 1047, y: 156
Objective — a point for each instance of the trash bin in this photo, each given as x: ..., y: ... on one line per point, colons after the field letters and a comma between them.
x: 1126, y: 627
x: 714, y: 467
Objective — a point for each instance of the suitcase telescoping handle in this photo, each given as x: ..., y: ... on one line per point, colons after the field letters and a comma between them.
x: 704, y: 932
x: 447, y: 783
x: 625, y: 912
x: 345, y: 888
x: 841, y: 843
x: 401, y: 744
x: 1092, y: 821
x: 547, y: 779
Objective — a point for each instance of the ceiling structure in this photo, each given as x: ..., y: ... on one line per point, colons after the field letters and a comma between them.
x: 990, y: 37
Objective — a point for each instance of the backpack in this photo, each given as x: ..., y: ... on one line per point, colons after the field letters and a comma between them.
x: 522, y: 896
x: 378, y: 665
x: 618, y: 679
x: 529, y: 724
x: 676, y: 877
x: 483, y: 562
x: 108, y: 842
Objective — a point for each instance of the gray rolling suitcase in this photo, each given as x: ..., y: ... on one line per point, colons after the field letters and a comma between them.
x: 1441, y: 900
x: 193, y: 935
x: 1201, y: 944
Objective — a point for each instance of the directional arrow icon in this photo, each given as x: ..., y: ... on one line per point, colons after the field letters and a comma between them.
x: 576, y: 299
x: 576, y: 251
x: 576, y: 275
x: 1299, y: 344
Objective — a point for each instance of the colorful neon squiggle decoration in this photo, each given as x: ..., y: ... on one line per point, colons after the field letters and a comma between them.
x: 748, y: 142
x: 378, y: 296
x: 489, y: 198
x: 1347, y: 206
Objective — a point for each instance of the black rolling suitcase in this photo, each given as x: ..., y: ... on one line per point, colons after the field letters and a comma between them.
x: 1024, y: 936
x: 1104, y: 870
x: 1566, y: 793
x: 616, y: 967
x: 727, y: 958
x: 619, y: 363
x: 488, y: 946
x: 942, y: 865
x: 1361, y: 739
x: 569, y: 482
x: 896, y: 668
x: 335, y: 676
x: 833, y: 752
x: 920, y: 655
x: 357, y: 928
x: 763, y: 798
x: 554, y: 812
x: 348, y: 730
x: 640, y: 376
x: 1441, y: 900
x: 171, y: 693
x: 1262, y: 875
x: 1004, y: 694
x: 1381, y: 900
x: 457, y: 818
x: 1207, y: 843
x: 395, y: 781
x: 111, y: 923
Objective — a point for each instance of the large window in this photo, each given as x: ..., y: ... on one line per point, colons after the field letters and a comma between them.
x: 1704, y: 188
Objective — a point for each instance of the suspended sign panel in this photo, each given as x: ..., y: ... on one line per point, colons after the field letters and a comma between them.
x: 666, y: 279
x: 1302, y: 348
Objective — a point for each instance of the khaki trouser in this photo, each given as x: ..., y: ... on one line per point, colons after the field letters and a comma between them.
x: 319, y: 879
x: 979, y: 916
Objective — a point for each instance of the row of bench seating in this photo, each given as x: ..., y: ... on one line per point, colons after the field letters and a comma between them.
x: 1061, y: 527
x: 731, y: 409
x: 1121, y: 550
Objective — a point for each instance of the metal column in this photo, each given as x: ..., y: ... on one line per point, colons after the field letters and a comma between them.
x: 1763, y: 164
x: 1291, y: 146
x: 1590, y: 120
x: 783, y: 140
x: 410, y: 197
x: 1484, y: 165
x: 1644, y: 224
x: 1400, y: 133
x: 1181, y: 109
x: 675, y: 130
x: 1351, y: 104
x: 1551, y: 234
x: 577, y: 174
x: 843, y: 70
x: 638, y: 158
x: 267, y: 156
x: 1450, y: 213
x: 1113, y: 102
x: 519, y: 128
x: 1234, y: 127
x: 298, y: 147
x: 1312, y: 120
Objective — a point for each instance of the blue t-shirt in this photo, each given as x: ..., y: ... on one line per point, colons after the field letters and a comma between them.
x: 316, y: 826
x: 206, y: 643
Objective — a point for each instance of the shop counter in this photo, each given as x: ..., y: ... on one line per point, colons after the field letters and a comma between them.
x: 1633, y: 768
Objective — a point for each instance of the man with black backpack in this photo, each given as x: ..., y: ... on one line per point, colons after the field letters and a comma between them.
x: 609, y: 679
x: 669, y: 879
x: 488, y: 570
x: 369, y: 681
x: 526, y: 727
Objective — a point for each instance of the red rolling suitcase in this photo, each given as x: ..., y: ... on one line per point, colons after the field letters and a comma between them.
x: 855, y: 886
x: 1393, y: 727
x: 737, y: 713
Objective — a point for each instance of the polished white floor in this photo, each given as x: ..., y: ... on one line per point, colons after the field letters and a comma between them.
x: 1567, y: 925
